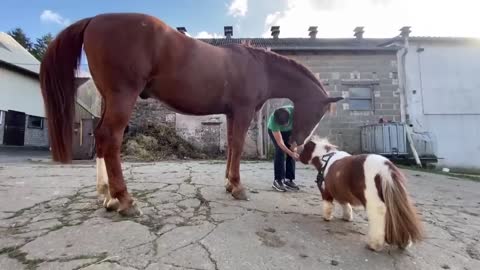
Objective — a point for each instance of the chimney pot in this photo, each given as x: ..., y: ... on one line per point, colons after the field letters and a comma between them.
x: 275, y: 30
x: 405, y: 31
x: 312, y: 32
x: 228, y: 31
x: 182, y: 29
x: 358, y: 32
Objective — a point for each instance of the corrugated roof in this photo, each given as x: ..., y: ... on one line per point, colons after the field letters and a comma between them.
x: 306, y: 43
x: 13, y: 53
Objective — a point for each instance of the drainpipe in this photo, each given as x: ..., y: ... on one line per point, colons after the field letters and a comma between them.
x: 403, y: 77
x: 405, y: 31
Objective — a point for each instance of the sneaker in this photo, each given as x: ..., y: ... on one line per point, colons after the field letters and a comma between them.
x: 289, y: 184
x: 279, y: 186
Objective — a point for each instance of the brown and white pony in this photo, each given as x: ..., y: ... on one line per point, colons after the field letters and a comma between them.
x: 133, y: 55
x: 371, y: 181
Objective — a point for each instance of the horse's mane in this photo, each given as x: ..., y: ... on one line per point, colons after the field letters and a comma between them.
x: 256, y: 52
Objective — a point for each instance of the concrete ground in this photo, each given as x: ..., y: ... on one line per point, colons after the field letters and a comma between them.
x: 50, y: 218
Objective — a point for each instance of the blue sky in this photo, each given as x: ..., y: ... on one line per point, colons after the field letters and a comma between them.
x: 253, y: 18
x: 197, y: 15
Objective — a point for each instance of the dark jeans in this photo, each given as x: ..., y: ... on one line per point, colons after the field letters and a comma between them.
x: 279, y: 162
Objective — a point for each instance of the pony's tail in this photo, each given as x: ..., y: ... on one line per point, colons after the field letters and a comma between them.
x: 57, y: 82
x: 402, y: 224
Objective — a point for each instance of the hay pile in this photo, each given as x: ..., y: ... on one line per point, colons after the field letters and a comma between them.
x: 153, y: 143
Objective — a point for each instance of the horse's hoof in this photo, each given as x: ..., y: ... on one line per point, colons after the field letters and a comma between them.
x: 240, y: 194
x: 111, y: 205
x: 132, y: 211
x: 228, y: 186
x: 347, y: 218
x: 327, y: 218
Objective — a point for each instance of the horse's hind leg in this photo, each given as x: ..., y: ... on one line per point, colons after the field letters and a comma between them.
x: 229, y: 186
x: 109, y: 136
x: 102, y: 186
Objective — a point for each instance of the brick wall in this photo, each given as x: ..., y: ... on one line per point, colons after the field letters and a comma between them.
x: 339, y: 72
x: 35, y: 136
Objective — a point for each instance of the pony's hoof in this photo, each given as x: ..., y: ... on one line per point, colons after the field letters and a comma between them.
x: 240, y: 194
x: 375, y: 246
x: 328, y: 218
x: 348, y: 218
x: 132, y: 211
x: 111, y: 205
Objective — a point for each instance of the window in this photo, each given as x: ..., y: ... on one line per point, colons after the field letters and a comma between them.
x: 360, y: 98
x: 1, y: 117
x: 35, y: 122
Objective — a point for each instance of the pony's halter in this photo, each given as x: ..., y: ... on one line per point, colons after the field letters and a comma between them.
x: 320, y: 176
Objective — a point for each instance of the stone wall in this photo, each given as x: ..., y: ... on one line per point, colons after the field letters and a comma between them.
x: 339, y: 72
x: 151, y: 111
x: 37, y: 137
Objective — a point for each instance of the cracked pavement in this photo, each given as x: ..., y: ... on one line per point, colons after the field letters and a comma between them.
x: 51, y: 218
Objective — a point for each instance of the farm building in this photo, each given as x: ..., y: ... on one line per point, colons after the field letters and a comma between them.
x: 442, y: 92
x: 22, y: 114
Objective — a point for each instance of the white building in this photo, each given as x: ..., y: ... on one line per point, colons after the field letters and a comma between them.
x: 22, y: 115
x: 442, y: 94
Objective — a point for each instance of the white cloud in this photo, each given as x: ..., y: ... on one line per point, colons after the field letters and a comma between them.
x: 205, y: 34
x: 381, y: 18
x: 49, y: 16
x: 238, y: 8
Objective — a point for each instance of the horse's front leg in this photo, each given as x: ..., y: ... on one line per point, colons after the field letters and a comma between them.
x: 327, y: 204
x: 228, y: 185
x: 240, y: 123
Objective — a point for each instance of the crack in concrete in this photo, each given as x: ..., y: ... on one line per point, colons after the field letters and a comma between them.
x: 210, y: 255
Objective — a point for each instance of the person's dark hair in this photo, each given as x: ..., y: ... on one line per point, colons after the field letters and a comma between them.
x: 281, y: 116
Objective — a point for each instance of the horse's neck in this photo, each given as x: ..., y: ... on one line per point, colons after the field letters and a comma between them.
x: 289, y: 80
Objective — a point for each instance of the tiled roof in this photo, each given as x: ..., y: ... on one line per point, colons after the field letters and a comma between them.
x: 13, y: 53
x: 306, y: 43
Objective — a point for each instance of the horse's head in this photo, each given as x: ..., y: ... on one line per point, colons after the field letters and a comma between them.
x: 316, y: 147
x: 306, y: 119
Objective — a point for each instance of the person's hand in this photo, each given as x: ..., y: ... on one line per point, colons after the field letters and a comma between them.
x: 294, y: 155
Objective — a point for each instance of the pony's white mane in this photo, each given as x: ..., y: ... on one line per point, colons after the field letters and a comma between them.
x: 322, y: 141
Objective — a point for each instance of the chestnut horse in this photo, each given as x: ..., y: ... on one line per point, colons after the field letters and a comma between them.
x: 368, y: 180
x: 132, y: 55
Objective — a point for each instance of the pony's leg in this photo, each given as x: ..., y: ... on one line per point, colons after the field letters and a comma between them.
x: 109, y: 136
x: 241, y: 121
x: 347, y: 212
x: 327, y: 205
x: 376, y: 211
x: 102, y: 186
x: 229, y: 186
x: 327, y: 210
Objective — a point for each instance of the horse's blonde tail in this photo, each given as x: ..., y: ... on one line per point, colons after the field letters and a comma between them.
x: 402, y: 224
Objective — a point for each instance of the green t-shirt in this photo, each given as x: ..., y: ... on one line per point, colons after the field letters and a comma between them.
x: 274, y: 126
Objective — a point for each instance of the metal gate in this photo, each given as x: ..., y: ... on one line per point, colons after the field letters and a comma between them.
x: 14, y: 128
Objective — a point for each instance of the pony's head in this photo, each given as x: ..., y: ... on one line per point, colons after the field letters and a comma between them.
x: 306, y: 118
x: 316, y: 147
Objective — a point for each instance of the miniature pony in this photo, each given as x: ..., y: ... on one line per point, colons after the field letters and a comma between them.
x: 371, y: 181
